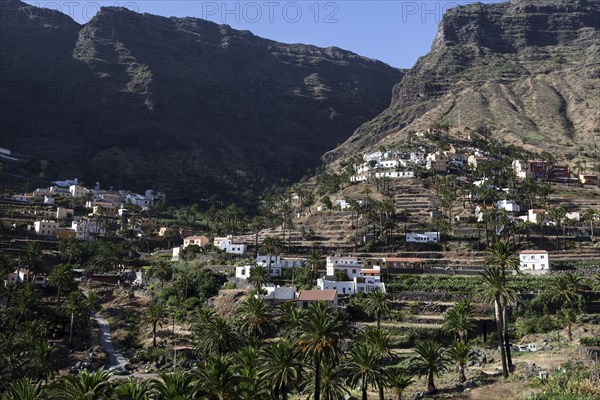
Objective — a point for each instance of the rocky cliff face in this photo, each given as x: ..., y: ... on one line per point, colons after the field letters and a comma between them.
x: 180, y: 104
x: 526, y: 71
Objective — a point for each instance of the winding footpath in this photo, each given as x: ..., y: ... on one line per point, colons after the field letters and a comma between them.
x: 114, y: 358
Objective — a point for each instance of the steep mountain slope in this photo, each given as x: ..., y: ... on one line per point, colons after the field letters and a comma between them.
x: 526, y: 71
x: 181, y: 104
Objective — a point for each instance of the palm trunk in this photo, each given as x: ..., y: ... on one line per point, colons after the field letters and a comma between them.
x: 461, y: 374
x: 317, y: 378
x: 58, y: 297
x: 499, y: 325
x: 154, y: 334
x: 569, y: 332
x: 381, y: 395
x: 364, y: 392
x: 511, y: 367
x: 430, y: 383
x: 71, y: 328
x: 284, y: 394
x: 592, y: 229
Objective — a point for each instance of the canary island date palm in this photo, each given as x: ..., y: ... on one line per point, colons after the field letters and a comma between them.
x: 281, y: 366
x: 398, y: 381
x: 364, y: 368
x: 177, y: 385
x: 216, y: 379
x: 460, y: 353
x: 133, y: 389
x: 320, y: 332
x: 376, y: 305
x: 431, y: 360
x: 289, y: 318
x: 85, y: 386
x: 459, y: 320
x: 254, y: 315
x: 22, y: 389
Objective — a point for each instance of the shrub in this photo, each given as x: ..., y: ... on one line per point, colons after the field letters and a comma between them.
x: 590, y: 341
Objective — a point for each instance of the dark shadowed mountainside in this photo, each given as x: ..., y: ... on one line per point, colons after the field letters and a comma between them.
x: 179, y: 104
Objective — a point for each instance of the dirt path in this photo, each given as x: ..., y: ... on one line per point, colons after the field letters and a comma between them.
x: 114, y: 358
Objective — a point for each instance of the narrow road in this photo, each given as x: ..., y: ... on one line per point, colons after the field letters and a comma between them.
x: 114, y: 358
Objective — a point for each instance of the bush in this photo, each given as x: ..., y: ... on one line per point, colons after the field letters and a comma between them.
x: 535, y: 324
x: 590, y: 341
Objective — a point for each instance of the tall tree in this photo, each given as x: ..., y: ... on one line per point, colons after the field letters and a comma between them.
x: 322, y: 328
x: 154, y: 317
x: 459, y: 353
x: 272, y: 245
x: 364, y: 368
x: 431, y: 361
x: 281, y: 366
x: 459, y: 320
x: 314, y: 261
x: 61, y: 277
x: 376, y: 305
x: 591, y: 215
x: 254, y: 315
x: 258, y: 277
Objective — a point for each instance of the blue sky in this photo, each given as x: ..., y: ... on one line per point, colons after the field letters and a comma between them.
x: 395, y: 31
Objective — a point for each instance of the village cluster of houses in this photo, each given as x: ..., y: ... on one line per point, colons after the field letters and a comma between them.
x: 102, y: 203
x: 224, y: 243
x: 392, y: 164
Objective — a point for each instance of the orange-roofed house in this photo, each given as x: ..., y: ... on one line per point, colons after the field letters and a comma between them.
x: 306, y: 297
x: 197, y: 240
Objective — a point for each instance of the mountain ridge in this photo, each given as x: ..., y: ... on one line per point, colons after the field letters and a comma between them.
x: 185, y: 105
x: 525, y: 71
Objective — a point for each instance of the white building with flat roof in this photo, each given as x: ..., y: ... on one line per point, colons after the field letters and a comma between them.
x: 534, y: 261
x: 45, y: 227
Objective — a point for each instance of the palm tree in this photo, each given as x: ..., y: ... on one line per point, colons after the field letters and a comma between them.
x: 364, y: 368
x: 567, y: 317
x: 61, y: 276
x: 215, y: 335
x: 86, y: 386
x: 22, y: 389
x: 255, y: 315
x: 431, y: 360
x: 376, y: 305
x: 590, y: 215
x: 322, y: 328
x: 33, y: 258
x: 271, y: 245
x: 256, y: 225
x: 494, y: 290
x: 74, y: 307
x: 503, y: 255
x: 258, y: 277
x: 248, y: 363
x: 459, y: 353
x: 133, y: 389
x: 289, y: 317
x: 177, y: 385
x: 41, y: 361
x: 398, y: 381
x: 567, y: 289
x: 314, y: 262
x: 216, y: 380
x: 281, y: 366
x: 459, y: 320
x: 155, y: 316
x: 162, y: 270
x: 381, y: 341
x: 331, y: 382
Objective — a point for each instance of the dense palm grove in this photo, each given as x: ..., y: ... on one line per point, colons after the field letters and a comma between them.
x: 266, y: 351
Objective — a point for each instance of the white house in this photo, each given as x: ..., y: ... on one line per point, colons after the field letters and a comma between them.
x: 62, y: 212
x: 66, y: 182
x: 87, y: 230
x: 395, y: 174
x: 342, y: 204
x: 351, y: 265
x: 244, y: 271
x: 45, y: 227
x: 49, y: 200
x: 508, y: 205
x: 427, y: 237
x: 78, y: 191
x: 534, y: 261
x: 221, y: 242
x: 536, y: 216
x: 373, y: 156
x: 282, y: 293
x: 356, y: 285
